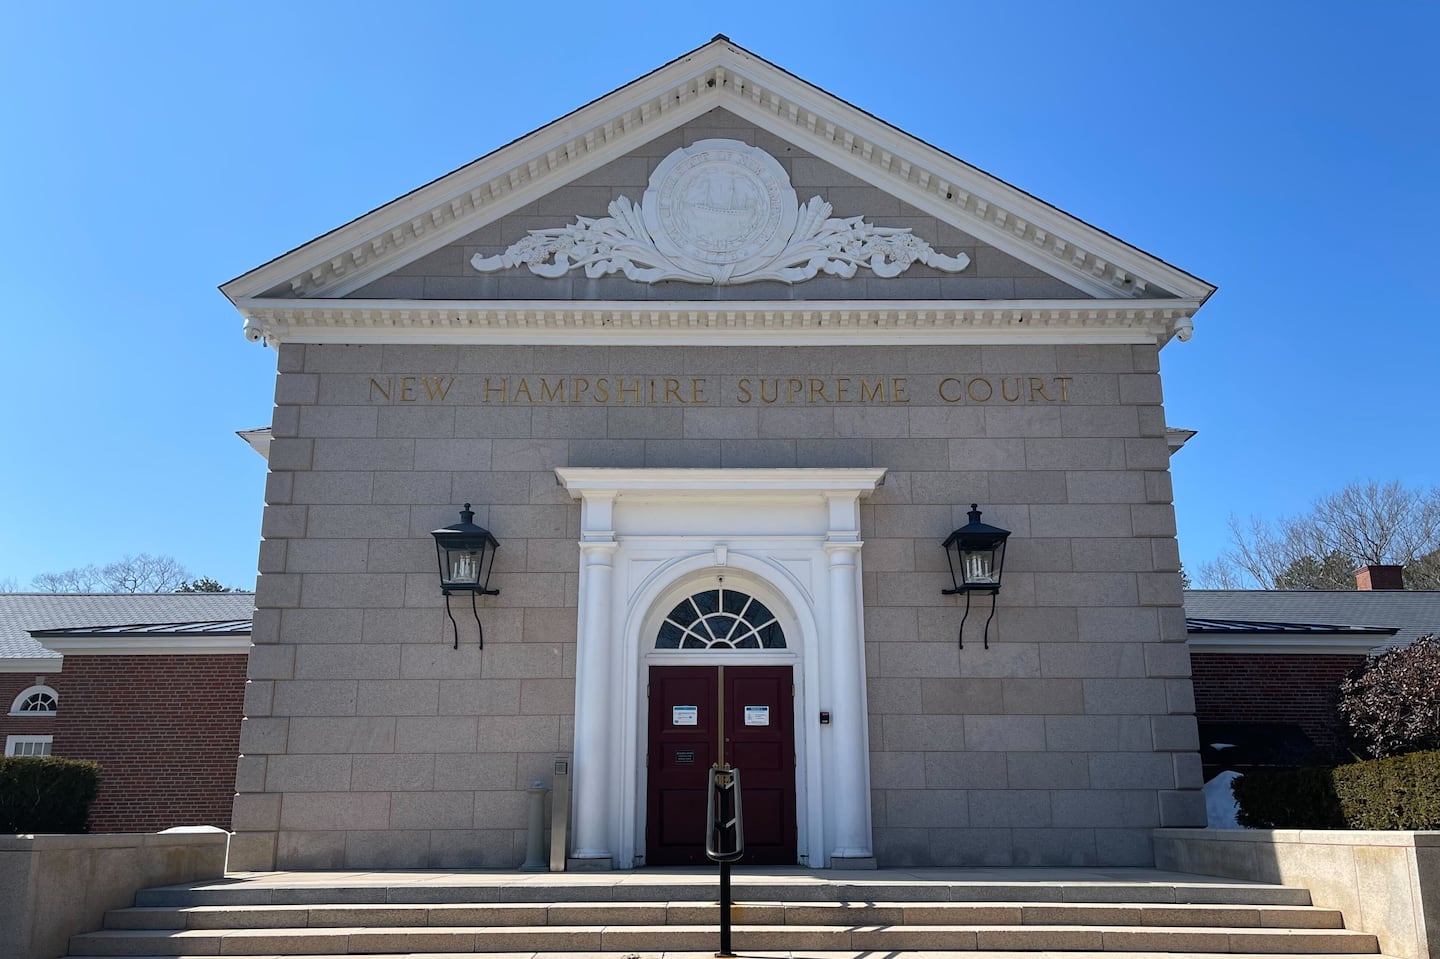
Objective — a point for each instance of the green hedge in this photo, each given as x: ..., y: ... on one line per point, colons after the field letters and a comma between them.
x: 1402, y: 792
x: 43, y: 794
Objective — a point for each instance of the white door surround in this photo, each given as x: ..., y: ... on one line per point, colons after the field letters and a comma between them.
x: 790, y: 536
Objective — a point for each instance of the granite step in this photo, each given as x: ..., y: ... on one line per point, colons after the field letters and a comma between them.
x: 704, y: 889
x: 694, y: 913
x: 709, y: 953
x: 631, y: 939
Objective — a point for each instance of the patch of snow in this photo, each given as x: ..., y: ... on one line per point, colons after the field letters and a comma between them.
x: 1220, y: 805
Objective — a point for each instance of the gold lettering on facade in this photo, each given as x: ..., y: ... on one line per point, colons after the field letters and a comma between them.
x: 692, y: 391
x: 979, y: 389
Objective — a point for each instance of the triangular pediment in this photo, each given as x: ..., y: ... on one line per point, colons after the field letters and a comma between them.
x: 947, y: 235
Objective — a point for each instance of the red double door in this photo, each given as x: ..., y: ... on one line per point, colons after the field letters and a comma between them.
x: 700, y: 715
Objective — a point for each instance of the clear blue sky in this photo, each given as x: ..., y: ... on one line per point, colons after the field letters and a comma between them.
x: 1286, y: 152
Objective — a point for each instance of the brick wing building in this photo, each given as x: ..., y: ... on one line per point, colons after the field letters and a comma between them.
x: 149, y: 686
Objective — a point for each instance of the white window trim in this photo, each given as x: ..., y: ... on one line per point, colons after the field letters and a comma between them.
x: 26, y: 694
x: 12, y: 741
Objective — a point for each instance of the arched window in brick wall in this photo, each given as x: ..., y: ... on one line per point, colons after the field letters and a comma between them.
x: 35, y: 701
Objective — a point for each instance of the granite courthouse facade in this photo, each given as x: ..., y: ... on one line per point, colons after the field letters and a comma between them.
x: 719, y: 360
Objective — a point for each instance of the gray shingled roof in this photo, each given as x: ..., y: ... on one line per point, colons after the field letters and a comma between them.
x: 22, y: 612
x: 1412, y: 613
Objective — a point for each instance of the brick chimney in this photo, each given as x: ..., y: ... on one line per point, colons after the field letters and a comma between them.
x: 1379, y: 577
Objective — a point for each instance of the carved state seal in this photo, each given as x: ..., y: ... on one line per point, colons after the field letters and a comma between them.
x: 721, y: 212
x: 720, y: 202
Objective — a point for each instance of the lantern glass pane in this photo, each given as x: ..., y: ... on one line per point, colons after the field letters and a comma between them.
x: 979, y: 566
x: 463, y: 566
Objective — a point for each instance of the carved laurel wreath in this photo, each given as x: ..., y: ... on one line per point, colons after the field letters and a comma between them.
x: 623, y: 242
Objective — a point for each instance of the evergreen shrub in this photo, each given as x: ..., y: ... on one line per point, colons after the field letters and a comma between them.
x: 1402, y: 792
x: 1288, y: 799
x: 45, y: 794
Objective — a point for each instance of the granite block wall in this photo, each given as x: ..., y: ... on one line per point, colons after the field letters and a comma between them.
x: 371, y: 742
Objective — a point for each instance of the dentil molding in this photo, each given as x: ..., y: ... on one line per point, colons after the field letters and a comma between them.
x: 720, y: 212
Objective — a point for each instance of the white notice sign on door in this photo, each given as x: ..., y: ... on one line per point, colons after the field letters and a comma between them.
x: 757, y: 715
x: 684, y: 715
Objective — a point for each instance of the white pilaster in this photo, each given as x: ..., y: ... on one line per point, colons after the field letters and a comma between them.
x: 849, y: 731
x: 594, y: 766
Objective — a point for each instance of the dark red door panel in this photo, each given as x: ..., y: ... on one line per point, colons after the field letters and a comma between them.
x: 679, y: 762
x: 761, y: 746
x: 760, y: 742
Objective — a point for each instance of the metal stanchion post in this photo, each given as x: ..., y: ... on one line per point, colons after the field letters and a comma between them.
x: 724, y: 837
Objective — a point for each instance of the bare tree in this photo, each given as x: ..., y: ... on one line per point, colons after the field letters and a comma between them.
x: 82, y: 579
x: 8, y: 585
x: 142, y: 573
x: 1362, y: 524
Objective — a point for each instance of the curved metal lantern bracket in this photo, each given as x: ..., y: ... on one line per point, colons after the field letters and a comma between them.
x: 993, y: 594
x: 474, y: 609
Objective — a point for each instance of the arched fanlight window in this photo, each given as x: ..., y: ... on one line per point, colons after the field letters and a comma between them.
x: 35, y: 701
x: 720, y: 619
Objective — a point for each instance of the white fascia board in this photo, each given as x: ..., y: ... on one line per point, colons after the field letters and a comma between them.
x: 1276, y: 645
x: 580, y: 480
x: 736, y: 322
x: 33, y: 664
x: 146, y: 645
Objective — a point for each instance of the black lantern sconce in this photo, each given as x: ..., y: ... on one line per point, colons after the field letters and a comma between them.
x: 466, y: 553
x: 976, y: 554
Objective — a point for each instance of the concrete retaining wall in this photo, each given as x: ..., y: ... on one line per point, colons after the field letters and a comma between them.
x: 1385, y: 883
x: 52, y: 887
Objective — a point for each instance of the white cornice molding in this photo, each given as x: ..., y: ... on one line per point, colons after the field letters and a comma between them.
x: 146, y: 645
x: 589, y: 481
x: 718, y: 74
x: 780, y: 322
